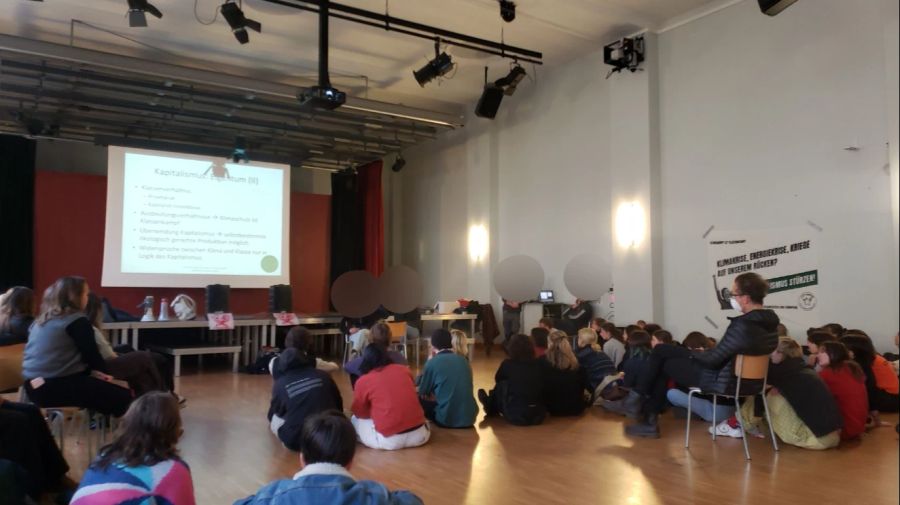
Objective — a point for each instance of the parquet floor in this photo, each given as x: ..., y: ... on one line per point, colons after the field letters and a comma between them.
x: 582, y: 460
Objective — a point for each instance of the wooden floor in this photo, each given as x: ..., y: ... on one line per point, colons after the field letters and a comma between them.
x: 566, y: 460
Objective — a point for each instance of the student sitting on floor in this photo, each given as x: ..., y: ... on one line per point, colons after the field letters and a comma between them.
x: 847, y: 383
x: 565, y: 381
x: 142, y: 464
x: 518, y: 393
x: 599, y: 368
x: 300, y: 338
x: 300, y: 389
x: 539, y: 336
x: 660, y: 337
x: 882, y: 385
x: 802, y: 410
x: 639, y: 348
x: 327, y: 446
x: 386, y: 410
x: 16, y: 315
x: 459, y: 342
x: 25, y: 440
x: 613, y: 343
x: 814, y: 339
x: 379, y: 335
x: 445, y: 386
x: 62, y: 366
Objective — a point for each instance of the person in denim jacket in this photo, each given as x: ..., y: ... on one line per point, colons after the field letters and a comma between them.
x: 327, y: 445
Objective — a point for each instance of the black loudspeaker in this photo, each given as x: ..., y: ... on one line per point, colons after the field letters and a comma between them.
x: 280, y: 298
x: 489, y: 103
x: 774, y: 7
x: 217, y: 298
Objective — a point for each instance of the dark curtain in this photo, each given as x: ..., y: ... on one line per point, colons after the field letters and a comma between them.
x: 346, y: 224
x: 16, y: 211
x: 373, y: 217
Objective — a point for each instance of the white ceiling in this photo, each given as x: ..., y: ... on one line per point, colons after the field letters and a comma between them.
x: 286, y: 50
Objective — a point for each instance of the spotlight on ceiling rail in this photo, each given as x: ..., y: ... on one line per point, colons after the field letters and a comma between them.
x: 399, y: 163
x: 239, y: 155
x: 238, y: 22
x: 493, y: 93
x: 439, y: 66
x: 507, y: 10
x: 138, y: 10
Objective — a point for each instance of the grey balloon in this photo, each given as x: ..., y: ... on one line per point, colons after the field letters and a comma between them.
x: 355, y: 293
x: 401, y: 289
x: 518, y: 278
x: 587, y: 276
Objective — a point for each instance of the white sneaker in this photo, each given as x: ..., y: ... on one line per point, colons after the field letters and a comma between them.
x: 724, y: 430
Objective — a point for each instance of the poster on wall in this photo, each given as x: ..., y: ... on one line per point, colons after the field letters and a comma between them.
x: 786, y: 257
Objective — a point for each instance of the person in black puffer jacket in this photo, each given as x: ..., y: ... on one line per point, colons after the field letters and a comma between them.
x: 753, y: 333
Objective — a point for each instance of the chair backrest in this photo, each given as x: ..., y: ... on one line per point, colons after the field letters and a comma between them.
x: 751, y: 367
x: 11, y: 367
x: 398, y: 330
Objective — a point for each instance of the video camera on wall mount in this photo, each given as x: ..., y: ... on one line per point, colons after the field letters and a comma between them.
x: 627, y: 53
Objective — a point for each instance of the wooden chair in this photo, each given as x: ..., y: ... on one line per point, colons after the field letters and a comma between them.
x: 745, y: 368
x: 398, y: 335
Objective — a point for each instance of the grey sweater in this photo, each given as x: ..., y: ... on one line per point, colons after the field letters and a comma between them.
x: 61, y: 347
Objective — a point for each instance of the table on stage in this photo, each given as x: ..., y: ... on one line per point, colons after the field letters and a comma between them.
x: 253, y: 333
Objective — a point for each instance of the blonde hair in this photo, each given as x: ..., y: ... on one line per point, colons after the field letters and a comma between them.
x: 459, y: 342
x: 789, y: 348
x: 559, y: 352
x: 587, y: 336
x: 63, y: 297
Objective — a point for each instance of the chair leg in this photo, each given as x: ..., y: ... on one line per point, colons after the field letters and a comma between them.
x: 714, y: 421
x: 687, y: 430
x: 769, y: 422
x: 740, y: 419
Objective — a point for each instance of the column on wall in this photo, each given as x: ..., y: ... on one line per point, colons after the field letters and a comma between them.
x: 634, y: 190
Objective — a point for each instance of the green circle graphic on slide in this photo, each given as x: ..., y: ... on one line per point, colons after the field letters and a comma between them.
x: 269, y: 264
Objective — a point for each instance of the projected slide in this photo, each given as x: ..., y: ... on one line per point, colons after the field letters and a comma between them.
x: 192, y: 220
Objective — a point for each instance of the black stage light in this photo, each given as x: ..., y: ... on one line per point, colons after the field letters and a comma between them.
x: 511, y: 81
x: 239, y: 155
x: 138, y: 10
x: 238, y: 22
x: 507, y: 10
x: 399, y: 163
x: 774, y: 7
x: 437, y: 67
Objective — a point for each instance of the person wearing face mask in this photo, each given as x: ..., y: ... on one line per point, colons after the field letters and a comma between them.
x: 753, y: 332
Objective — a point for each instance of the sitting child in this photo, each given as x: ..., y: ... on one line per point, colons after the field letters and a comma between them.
x: 847, y: 383
x: 300, y: 338
x: 539, y: 336
x: 518, y: 393
x: 565, y: 381
x: 327, y: 446
x: 599, y: 368
x: 142, y: 464
x: 300, y: 389
x: 379, y: 335
x: 445, y: 386
x: 460, y: 343
x: 814, y: 339
x: 386, y: 410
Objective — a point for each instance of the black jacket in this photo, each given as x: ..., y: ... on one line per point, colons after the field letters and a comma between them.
x: 520, y: 385
x: 807, y: 394
x: 564, y: 389
x: 753, y: 334
x: 299, y: 391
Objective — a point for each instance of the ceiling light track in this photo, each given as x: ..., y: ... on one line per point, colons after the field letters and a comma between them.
x: 412, y: 28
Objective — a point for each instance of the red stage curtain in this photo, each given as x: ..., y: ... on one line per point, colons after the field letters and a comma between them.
x: 373, y: 217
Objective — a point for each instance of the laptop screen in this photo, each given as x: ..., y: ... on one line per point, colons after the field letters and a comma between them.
x: 546, y: 295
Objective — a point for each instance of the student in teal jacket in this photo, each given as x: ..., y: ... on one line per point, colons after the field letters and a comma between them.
x: 445, y: 386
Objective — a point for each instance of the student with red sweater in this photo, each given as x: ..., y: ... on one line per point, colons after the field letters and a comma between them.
x: 847, y: 383
x: 386, y: 410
